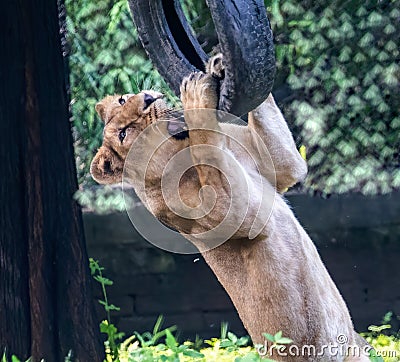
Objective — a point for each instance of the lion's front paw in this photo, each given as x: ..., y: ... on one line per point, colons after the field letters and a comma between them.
x: 215, y: 66
x: 199, y: 90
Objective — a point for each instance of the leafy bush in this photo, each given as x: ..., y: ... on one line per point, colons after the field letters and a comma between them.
x: 231, y: 348
x: 384, y: 339
x: 341, y: 62
x: 104, y: 199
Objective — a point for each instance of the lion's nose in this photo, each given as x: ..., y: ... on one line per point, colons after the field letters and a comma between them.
x: 148, y: 99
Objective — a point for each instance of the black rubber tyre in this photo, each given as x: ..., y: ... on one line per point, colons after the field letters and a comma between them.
x: 245, y: 40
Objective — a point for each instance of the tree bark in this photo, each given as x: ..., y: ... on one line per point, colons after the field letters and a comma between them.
x: 45, y: 286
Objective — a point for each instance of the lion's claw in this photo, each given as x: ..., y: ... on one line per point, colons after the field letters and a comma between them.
x: 215, y: 66
x: 199, y: 90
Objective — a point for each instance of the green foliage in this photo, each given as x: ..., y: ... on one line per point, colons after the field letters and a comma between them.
x: 341, y: 63
x: 103, y: 199
x: 277, y: 339
x: 13, y: 358
x: 384, y: 339
x: 387, y: 347
x: 228, y: 341
x: 172, y: 350
x: 149, y: 339
x: 199, y: 17
x: 112, y: 343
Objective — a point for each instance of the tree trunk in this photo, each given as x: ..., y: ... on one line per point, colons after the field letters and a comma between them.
x: 45, y: 287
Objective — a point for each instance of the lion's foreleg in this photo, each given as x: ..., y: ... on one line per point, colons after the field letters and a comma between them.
x: 199, y: 98
x: 224, y: 182
x: 268, y: 122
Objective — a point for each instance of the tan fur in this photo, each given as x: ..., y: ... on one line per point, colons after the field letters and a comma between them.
x: 276, y: 278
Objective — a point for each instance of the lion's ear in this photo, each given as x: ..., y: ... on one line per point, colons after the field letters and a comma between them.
x: 101, y: 110
x: 106, y: 167
x: 102, y: 106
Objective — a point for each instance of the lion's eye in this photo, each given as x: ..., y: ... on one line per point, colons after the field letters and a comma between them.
x: 122, y: 135
x: 121, y: 101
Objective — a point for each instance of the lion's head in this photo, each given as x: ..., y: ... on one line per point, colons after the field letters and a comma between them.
x: 125, y: 117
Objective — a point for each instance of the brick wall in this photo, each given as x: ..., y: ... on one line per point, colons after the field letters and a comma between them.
x: 357, y: 237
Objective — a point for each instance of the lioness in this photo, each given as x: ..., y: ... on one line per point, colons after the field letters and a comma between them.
x: 269, y: 266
